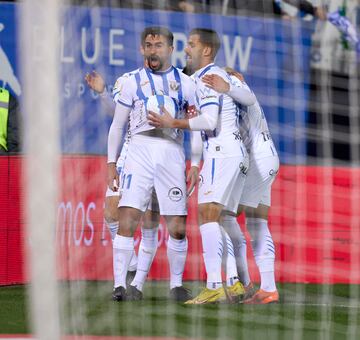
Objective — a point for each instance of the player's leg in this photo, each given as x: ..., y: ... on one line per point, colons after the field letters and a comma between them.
x: 177, y: 247
x: 147, y: 249
x: 264, y: 253
x: 212, y: 239
x: 237, y: 237
x: 257, y: 202
x: 111, y: 216
x: 111, y: 212
x: 170, y: 186
x: 235, y: 287
x: 218, y: 181
x: 136, y: 185
x: 123, y: 249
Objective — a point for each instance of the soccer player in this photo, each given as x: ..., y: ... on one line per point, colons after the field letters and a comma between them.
x: 225, y: 161
x: 149, y: 230
x: 256, y: 197
x: 155, y: 160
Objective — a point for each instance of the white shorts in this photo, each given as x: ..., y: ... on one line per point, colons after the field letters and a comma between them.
x: 222, y: 181
x: 154, y: 163
x: 261, y: 175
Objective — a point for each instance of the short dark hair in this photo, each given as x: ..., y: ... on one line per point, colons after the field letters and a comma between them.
x: 157, y: 30
x: 209, y: 38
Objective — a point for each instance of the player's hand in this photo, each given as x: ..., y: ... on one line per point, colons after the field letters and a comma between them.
x: 216, y: 83
x: 160, y: 121
x: 231, y: 72
x: 320, y: 13
x: 191, y: 179
x: 113, y: 177
x: 95, y: 81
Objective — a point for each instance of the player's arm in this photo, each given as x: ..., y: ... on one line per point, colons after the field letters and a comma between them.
x: 241, y: 95
x: 96, y: 82
x: 196, y: 152
x: 206, y: 121
x: 115, y: 138
x: 209, y: 108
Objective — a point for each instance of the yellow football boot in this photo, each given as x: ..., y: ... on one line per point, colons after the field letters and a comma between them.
x: 208, y: 296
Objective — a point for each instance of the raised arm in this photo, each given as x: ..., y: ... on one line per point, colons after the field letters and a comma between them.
x: 96, y: 82
x: 241, y: 95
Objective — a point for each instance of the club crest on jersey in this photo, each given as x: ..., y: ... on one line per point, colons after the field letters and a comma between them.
x: 174, y: 85
x: 175, y: 194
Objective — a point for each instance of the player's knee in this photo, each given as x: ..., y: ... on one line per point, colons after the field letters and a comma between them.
x: 151, y: 219
x: 209, y: 212
x: 111, y: 211
x: 128, y: 221
x: 261, y: 211
x: 110, y: 217
x: 176, y: 226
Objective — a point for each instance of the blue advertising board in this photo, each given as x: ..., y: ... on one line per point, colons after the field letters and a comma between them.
x: 272, y: 54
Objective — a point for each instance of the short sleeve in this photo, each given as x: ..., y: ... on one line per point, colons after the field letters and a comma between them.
x: 125, y: 94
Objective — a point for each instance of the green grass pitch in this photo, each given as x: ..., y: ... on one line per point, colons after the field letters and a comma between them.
x: 305, y: 312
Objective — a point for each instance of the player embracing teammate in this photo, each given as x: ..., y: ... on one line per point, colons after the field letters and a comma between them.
x: 227, y: 110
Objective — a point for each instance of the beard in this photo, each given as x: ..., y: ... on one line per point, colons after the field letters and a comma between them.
x: 188, y: 69
x: 154, y: 62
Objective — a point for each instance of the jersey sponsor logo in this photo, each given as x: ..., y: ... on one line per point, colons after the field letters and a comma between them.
x: 237, y: 135
x: 207, y: 193
x: 175, y: 194
x: 174, y: 85
x: 208, y: 97
x: 266, y: 135
x: 243, y: 168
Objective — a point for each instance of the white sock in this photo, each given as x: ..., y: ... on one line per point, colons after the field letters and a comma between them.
x: 232, y: 227
x: 264, y: 251
x: 213, y: 249
x: 176, y: 252
x: 123, y: 250
x: 113, y: 228
x: 147, y: 251
x: 133, y: 263
x: 231, y: 270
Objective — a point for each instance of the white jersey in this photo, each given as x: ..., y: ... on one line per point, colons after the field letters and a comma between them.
x: 145, y: 83
x: 253, y: 127
x: 120, y: 83
x: 225, y: 141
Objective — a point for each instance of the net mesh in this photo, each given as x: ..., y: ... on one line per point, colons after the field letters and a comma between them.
x: 306, y: 78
